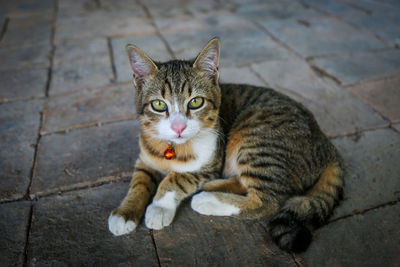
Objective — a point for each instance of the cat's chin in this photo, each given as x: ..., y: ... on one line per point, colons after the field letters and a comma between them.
x: 179, y: 140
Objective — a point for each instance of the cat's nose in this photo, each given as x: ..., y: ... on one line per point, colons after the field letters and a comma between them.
x: 178, y: 126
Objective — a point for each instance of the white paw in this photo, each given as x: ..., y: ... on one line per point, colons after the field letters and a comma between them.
x: 118, y: 226
x: 158, y: 217
x: 207, y: 204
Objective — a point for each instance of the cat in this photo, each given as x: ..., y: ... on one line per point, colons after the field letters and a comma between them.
x: 243, y: 151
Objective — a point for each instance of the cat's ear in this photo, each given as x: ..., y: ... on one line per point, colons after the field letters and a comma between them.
x: 208, y: 59
x: 143, y: 67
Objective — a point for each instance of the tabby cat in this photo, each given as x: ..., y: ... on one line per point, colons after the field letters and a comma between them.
x: 267, y: 150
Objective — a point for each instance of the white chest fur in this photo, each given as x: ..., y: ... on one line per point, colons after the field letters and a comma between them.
x: 204, y: 146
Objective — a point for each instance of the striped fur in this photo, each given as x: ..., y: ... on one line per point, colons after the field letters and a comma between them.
x: 254, y: 153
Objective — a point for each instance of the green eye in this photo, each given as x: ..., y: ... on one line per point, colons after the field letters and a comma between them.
x: 159, y: 105
x: 196, y: 102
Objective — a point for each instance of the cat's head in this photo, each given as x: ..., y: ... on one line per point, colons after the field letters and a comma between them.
x: 177, y: 100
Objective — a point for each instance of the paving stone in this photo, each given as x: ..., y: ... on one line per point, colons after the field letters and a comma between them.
x: 85, y: 156
x: 194, y: 239
x: 89, y: 107
x: 19, y: 127
x: 239, y: 54
x: 384, y: 25
x: 152, y: 45
x: 79, y: 8
x: 13, y: 84
x: 14, y: 219
x: 357, y: 67
x: 34, y: 56
x: 239, y: 75
x: 376, y: 7
x: 371, y: 239
x: 382, y: 95
x: 73, y: 50
x: 328, y: 35
x: 190, y: 40
x: 199, y: 8
x: 396, y: 126
x: 27, y: 31
x: 337, y: 111
x: 253, y: 46
x: 88, y: 72
x: 274, y: 10
x: 188, y: 21
x: 179, y: 9
x: 26, y: 8
x: 94, y: 26
x: 71, y: 230
x: 372, y: 179
x: 334, y: 7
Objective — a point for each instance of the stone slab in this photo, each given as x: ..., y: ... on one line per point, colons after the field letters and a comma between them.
x: 14, y: 220
x: 32, y: 56
x: 396, y: 126
x: 388, y: 7
x: 328, y: 36
x: 197, y: 39
x: 151, y: 44
x: 270, y: 11
x: 27, y: 31
x: 370, y: 239
x: 73, y: 50
x: 22, y: 84
x: 89, y: 72
x: 194, y: 239
x: 384, y: 25
x: 79, y: 8
x: 337, y: 111
x: 241, y: 54
x: 382, y: 95
x: 94, y: 26
x: 240, y: 44
x: 334, y: 7
x: 19, y: 128
x: 89, y: 107
x: 239, y: 75
x: 71, y: 230
x: 186, y: 22
x: 357, y: 67
x: 26, y: 8
x: 85, y: 156
x: 372, y: 177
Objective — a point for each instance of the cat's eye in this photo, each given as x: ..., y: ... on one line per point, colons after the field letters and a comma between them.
x: 196, y: 103
x: 159, y: 105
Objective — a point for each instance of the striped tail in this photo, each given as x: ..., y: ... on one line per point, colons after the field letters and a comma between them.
x: 291, y: 226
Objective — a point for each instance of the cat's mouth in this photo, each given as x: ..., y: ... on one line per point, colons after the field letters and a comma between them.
x: 180, y: 140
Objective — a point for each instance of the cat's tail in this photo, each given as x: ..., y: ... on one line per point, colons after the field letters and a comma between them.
x: 291, y: 226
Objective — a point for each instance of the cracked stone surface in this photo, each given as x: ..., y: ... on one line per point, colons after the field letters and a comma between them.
x: 370, y: 239
x: 80, y: 218
x: 85, y: 155
x: 14, y: 218
x: 69, y: 129
x: 370, y: 181
x: 19, y: 125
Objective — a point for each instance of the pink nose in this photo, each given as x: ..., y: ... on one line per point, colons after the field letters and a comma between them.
x: 178, y: 126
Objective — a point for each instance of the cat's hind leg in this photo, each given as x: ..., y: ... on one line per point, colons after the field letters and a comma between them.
x: 229, y: 204
x: 231, y: 185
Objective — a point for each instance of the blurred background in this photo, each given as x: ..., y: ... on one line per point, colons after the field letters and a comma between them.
x: 68, y: 130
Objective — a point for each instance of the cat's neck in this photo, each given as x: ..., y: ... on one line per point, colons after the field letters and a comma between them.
x: 190, y: 156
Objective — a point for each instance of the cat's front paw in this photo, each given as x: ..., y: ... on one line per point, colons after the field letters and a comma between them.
x: 158, y: 217
x: 207, y: 203
x: 118, y: 226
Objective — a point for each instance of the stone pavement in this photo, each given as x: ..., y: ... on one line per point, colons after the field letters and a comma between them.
x: 68, y: 131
